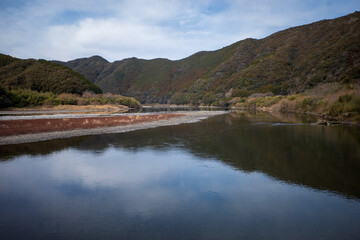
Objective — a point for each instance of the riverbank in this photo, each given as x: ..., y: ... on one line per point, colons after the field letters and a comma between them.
x: 330, y: 101
x: 45, y: 127
x: 65, y: 109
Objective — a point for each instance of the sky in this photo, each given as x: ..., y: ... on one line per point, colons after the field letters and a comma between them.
x: 173, y: 29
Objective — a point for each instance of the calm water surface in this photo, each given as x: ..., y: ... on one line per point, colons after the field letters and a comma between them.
x: 235, y: 176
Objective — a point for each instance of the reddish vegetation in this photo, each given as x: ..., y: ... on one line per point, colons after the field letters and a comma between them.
x: 16, y: 127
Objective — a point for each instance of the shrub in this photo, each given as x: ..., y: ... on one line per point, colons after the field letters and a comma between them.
x: 336, y: 109
x: 315, y: 80
x: 67, y: 99
x: 291, y: 98
x: 345, y: 98
x: 240, y: 93
x: 345, y: 104
x: 308, y: 104
x: 4, y: 98
x: 24, y: 98
x: 208, y: 99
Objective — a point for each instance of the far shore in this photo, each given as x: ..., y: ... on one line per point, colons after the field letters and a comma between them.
x: 158, y: 105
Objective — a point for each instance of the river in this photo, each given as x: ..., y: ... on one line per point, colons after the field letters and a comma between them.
x: 239, y: 175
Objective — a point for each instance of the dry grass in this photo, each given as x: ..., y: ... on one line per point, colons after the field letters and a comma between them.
x: 325, y: 99
x: 98, y: 109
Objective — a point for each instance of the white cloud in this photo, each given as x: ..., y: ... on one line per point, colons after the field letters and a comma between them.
x: 172, y: 29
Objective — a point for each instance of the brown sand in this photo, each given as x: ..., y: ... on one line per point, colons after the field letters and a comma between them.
x: 27, y: 126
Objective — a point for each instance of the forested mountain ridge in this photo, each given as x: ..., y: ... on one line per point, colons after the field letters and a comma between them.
x: 42, y: 76
x: 148, y: 80
x: 286, y: 62
x: 30, y: 83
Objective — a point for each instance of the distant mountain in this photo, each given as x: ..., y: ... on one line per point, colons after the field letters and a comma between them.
x: 288, y: 61
x: 89, y: 67
x: 42, y: 76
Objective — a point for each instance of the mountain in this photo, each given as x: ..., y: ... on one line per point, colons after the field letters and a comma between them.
x: 287, y: 62
x: 42, y: 76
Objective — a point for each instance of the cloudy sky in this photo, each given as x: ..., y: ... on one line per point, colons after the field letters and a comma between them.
x: 174, y: 29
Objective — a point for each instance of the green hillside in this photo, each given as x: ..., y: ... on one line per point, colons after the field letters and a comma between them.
x: 32, y: 82
x: 287, y: 62
x: 151, y: 81
x: 90, y: 67
x: 42, y: 76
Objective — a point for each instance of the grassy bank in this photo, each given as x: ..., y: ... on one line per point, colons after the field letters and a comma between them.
x: 28, y: 98
x: 332, y: 101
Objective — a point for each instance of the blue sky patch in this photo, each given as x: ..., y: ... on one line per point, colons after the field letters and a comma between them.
x: 147, y: 29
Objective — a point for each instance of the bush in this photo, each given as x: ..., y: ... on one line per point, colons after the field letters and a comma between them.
x: 308, y: 104
x: 291, y: 98
x: 208, y: 99
x: 67, y: 99
x: 24, y: 98
x: 240, y: 93
x: 345, y: 104
x: 345, y: 98
x: 4, y: 98
x: 315, y: 80
x: 336, y: 109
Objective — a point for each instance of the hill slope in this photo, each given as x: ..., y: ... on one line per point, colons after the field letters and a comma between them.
x: 286, y: 62
x: 42, y: 76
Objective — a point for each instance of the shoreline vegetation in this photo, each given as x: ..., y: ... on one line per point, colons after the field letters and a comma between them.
x: 101, y: 113
x: 332, y: 101
x: 22, y: 98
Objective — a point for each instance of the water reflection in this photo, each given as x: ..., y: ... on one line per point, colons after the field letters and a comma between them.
x: 325, y: 158
x: 159, y: 195
x: 183, y: 182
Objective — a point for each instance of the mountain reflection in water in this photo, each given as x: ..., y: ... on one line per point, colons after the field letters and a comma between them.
x: 326, y: 158
x: 237, y: 175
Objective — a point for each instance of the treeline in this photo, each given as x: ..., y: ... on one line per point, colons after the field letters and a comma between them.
x: 25, y: 98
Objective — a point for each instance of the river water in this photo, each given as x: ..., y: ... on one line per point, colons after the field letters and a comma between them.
x: 234, y: 176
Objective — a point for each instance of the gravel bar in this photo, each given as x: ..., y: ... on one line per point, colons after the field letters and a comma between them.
x: 185, y: 117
